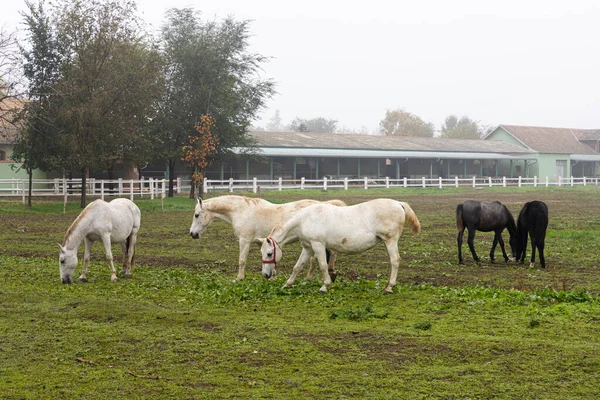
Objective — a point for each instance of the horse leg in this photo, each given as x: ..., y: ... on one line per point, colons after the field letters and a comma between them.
x: 540, y: 246
x: 331, y: 265
x: 459, y: 240
x: 311, y: 269
x: 302, y: 260
x: 131, y: 242
x: 392, y: 250
x: 124, y: 249
x: 470, y: 240
x: 493, y: 250
x: 86, y: 259
x: 533, y: 246
x: 320, y: 253
x: 501, y: 241
x: 244, y: 250
x: 109, y: 256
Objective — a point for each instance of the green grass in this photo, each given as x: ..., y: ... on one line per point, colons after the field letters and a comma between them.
x: 180, y: 329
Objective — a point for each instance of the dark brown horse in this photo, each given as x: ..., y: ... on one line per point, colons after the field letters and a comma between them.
x: 485, y: 217
x: 532, y: 221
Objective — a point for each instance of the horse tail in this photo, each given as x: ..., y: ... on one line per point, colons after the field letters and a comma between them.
x: 411, y: 218
x: 459, y: 219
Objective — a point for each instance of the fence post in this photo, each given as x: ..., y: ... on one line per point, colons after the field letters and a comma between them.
x: 559, y: 181
x: 324, y: 183
x: 23, y: 189
x: 546, y: 181
x: 489, y: 181
x: 571, y: 180
x: 93, y: 186
x: 423, y: 181
x: 405, y: 183
x: 366, y: 183
x: 584, y: 182
x: 301, y: 183
x: 102, y: 189
x: 151, y: 187
x: 255, y: 185
x: 473, y: 180
x: 519, y: 185
x: 456, y: 181
x: 535, y: 181
x: 440, y: 182
x: 503, y: 181
x: 205, y: 185
x: 280, y: 184
x: 346, y: 183
x: 230, y: 185
x: 387, y: 182
x: 131, y: 190
x: 178, y: 185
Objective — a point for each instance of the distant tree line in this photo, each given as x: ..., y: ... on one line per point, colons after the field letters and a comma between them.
x: 396, y: 122
x: 101, y: 90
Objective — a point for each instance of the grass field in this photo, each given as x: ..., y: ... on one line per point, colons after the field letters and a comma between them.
x: 180, y: 329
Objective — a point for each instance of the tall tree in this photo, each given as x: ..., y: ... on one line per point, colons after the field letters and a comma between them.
x: 104, y: 86
x: 402, y: 123
x: 208, y: 70
x: 319, y: 125
x: 463, y: 128
x: 36, y: 145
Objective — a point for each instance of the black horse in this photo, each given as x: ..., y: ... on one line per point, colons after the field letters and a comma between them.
x: 485, y: 217
x: 533, y: 220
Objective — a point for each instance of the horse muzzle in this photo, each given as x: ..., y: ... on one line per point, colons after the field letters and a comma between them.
x: 67, y: 279
x: 195, y: 235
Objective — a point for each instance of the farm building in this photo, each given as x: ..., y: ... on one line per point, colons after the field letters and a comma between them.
x: 509, y: 151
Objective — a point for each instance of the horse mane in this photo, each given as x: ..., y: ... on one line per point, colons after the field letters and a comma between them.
x: 511, y: 226
x: 226, y: 204
x: 77, y: 220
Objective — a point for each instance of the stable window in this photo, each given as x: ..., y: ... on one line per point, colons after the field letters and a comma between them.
x: 2, y: 155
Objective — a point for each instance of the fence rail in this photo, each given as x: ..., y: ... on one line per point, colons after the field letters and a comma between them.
x: 94, y: 187
x: 254, y: 185
x: 158, y: 187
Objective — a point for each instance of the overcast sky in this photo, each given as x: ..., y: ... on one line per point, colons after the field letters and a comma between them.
x: 510, y: 62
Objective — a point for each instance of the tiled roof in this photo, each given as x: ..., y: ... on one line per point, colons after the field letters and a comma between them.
x: 551, y: 140
x: 380, y: 142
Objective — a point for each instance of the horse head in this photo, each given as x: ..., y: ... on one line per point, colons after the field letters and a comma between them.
x: 271, y: 255
x: 68, y: 261
x: 202, y: 219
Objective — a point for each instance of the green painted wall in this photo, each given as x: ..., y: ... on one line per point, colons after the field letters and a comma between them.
x: 6, y: 172
x: 501, y: 134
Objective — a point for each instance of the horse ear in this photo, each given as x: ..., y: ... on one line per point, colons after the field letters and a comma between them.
x: 61, y: 247
x: 200, y: 202
x: 262, y: 240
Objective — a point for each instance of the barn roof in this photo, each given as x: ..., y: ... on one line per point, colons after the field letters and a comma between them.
x: 337, y: 143
x: 553, y: 140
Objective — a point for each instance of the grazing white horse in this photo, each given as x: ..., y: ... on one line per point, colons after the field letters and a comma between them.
x: 345, y: 230
x: 114, y: 222
x: 251, y: 219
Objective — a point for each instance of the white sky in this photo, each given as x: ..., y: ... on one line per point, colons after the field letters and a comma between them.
x: 516, y: 62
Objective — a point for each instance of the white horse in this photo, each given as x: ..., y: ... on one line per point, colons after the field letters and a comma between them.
x: 345, y: 230
x: 114, y: 222
x: 251, y: 219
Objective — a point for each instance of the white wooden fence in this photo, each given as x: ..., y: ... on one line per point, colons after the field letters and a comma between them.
x: 94, y: 187
x: 255, y: 184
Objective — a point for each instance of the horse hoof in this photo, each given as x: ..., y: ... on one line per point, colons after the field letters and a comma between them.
x: 333, y: 275
x: 127, y: 276
x: 388, y: 290
x: 531, y: 265
x: 322, y: 291
x: 114, y: 280
x: 82, y: 279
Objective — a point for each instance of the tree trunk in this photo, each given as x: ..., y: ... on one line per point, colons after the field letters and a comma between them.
x: 192, y: 184
x: 84, y: 172
x: 111, y: 176
x: 30, y: 173
x: 171, y: 176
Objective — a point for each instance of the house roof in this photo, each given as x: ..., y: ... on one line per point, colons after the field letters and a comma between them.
x: 551, y: 140
x: 338, y: 141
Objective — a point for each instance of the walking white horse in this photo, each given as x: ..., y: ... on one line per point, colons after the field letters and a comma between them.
x: 345, y: 230
x: 251, y: 219
x: 114, y: 222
